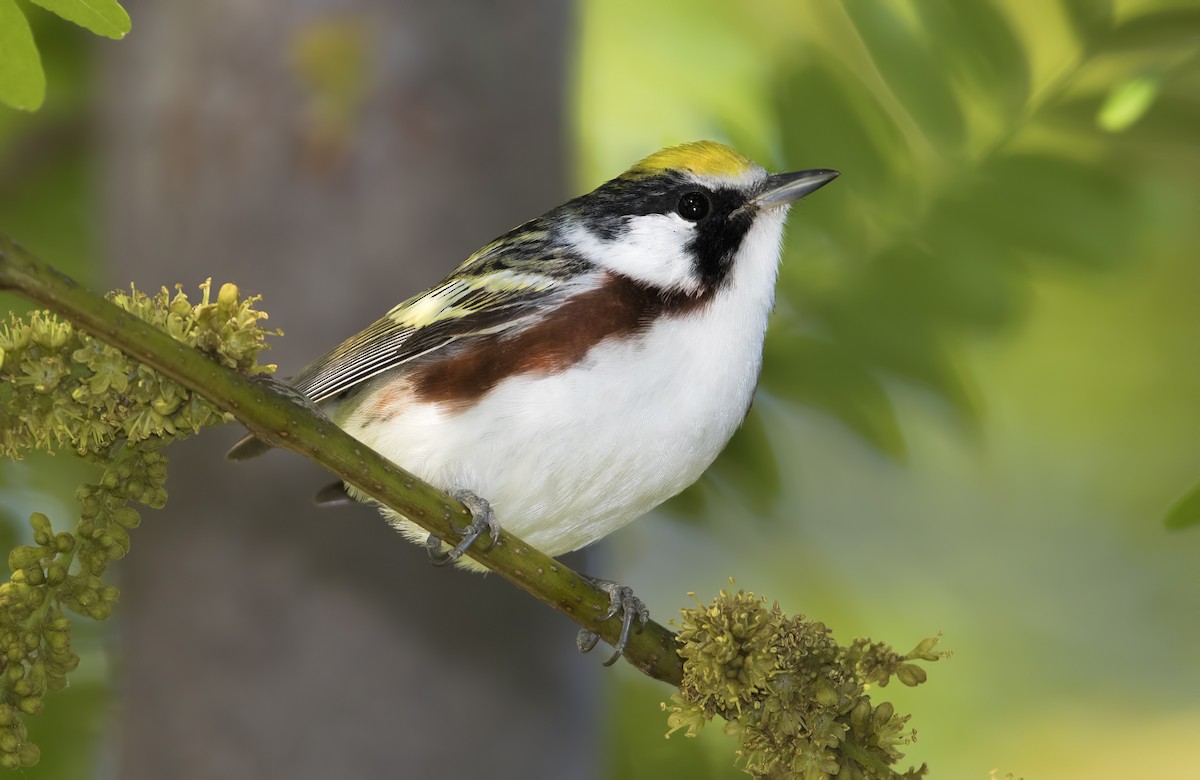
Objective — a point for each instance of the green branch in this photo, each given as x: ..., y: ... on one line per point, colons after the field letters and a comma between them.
x: 158, y: 368
x: 284, y: 422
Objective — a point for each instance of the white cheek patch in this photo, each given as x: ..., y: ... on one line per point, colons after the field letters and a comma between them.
x: 652, y: 250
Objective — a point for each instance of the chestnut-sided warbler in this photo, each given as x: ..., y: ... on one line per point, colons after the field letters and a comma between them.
x: 584, y: 367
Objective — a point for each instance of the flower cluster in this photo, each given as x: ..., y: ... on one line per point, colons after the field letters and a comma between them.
x: 64, y: 388
x: 795, y: 699
x: 60, y: 388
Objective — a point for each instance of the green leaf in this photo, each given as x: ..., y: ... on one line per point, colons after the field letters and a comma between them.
x: 1073, y: 213
x: 828, y: 116
x: 1128, y: 102
x: 1176, y: 27
x: 1090, y: 18
x: 1186, y: 512
x: 883, y: 329
x: 907, y: 67
x: 976, y: 45
x: 825, y: 376
x: 22, y: 83
x: 103, y: 17
x: 692, y: 504
x: 963, y: 284
x: 749, y: 465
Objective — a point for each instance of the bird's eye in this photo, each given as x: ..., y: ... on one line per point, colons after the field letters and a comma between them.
x: 693, y: 206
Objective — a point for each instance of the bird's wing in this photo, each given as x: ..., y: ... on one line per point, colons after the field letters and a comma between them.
x: 474, y: 301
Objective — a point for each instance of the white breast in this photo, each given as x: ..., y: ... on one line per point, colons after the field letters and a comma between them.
x: 567, y: 458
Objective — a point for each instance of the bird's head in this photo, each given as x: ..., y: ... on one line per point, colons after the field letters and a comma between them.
x: 684, y: 218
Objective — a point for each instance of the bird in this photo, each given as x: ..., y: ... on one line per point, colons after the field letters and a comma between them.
x: 582, y: 368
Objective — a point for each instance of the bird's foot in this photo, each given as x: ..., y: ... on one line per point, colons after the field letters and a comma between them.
x: 621, y: 601
x: 482, y: 519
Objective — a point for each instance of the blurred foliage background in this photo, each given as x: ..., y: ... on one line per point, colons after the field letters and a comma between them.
x: 47, y: 199
x: 981, y: 381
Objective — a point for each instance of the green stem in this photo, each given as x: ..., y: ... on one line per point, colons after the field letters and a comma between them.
x: 282, y: 422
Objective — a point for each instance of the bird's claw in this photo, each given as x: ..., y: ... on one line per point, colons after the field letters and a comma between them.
x: 621, y: 601
x: 482, y: 519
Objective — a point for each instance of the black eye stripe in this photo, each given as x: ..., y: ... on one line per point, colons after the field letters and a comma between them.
x: 619, y: 198
x: 718, y: 238
x: 608, y: 212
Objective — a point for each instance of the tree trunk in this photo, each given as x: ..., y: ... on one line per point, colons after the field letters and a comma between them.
x: 261, y: 637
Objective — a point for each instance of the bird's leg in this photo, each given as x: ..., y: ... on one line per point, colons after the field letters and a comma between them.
x: 621, y: 601
x: 482, y: 519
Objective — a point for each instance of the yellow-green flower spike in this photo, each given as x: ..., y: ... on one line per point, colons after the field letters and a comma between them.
x: 795, y: 699
x: 62, y: 389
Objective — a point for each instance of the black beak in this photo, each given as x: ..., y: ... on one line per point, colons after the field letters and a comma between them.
x: 783, y: 188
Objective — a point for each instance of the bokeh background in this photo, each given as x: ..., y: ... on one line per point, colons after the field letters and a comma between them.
x: 978, y: 405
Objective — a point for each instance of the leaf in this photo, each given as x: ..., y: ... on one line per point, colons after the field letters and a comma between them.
x: 959, y: 278
x: 692, y: 504
x: 749, y: 465
x: 827, y: 109
x: 1090, y: 18
x: 103, y: 17
x: 882, y: 328
x: 1168, y: 127
x: 22, y: 82
x: 907, y: 67
x: 1186, y: 512
x: 1178, y: 27
x: 803, y: 369
x: 1075, y: 213
x: 1128, y: 102
x: 976, y: 44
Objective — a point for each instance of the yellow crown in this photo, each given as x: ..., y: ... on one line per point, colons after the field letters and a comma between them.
x: 703, y: 158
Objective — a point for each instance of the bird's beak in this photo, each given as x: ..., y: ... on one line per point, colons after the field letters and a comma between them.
x: 780, y: 189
